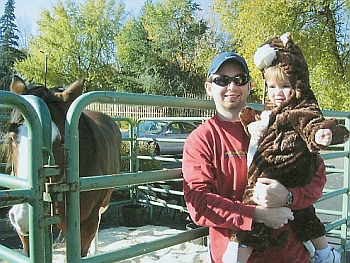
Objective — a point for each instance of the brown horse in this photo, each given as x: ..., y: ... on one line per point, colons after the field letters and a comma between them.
x: 99, y: 153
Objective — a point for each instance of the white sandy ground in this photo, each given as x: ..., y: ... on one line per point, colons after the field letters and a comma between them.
x: 121, y: 237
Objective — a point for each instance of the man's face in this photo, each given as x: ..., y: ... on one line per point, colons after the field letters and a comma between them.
x: 230, y: 99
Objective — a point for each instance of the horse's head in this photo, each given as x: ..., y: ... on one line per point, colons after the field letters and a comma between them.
x: 58, y: 101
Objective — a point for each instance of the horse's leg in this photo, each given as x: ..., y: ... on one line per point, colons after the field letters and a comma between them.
x: 25, y: 244
x: 90, y: 203
x: 103, y: 207
x: 88, y: 220
x: 93, y: 250
x: 88, y: 228
x: 18, y: 216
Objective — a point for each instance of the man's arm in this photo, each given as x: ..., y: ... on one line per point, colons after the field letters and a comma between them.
x: 271, y: 193
x: 306, y: 196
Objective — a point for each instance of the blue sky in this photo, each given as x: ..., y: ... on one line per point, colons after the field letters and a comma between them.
x: 29, y: 10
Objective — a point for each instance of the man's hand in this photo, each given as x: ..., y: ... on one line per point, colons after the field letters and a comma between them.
x: 273, y: 217
x: 270, y: 193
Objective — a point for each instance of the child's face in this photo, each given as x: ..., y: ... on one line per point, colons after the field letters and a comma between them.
x: 279, y: 91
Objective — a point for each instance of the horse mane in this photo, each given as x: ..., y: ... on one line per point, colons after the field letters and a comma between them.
x: 9, y: 147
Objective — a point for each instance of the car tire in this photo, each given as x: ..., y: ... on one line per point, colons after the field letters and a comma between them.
x: 154, y: 148
x: 157, y: 150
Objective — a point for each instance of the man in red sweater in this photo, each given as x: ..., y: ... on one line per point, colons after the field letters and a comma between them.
x: 215, y: 173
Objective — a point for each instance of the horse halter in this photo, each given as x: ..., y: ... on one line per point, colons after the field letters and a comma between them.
x: 12, y: 144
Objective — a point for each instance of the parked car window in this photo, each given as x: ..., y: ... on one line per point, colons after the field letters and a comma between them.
x: 174, y: 128
x: 151, y: 127
x: 159, y: 131
x: 188, y: 128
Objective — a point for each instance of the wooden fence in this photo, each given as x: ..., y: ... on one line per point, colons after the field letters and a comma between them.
x: 136, y: 112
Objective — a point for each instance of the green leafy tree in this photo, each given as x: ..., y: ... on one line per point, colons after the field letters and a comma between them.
x: 162, y: 52
x: 79, y: 42
x: 320, y: 28
x: 135, y: 57
x: 9, y: 52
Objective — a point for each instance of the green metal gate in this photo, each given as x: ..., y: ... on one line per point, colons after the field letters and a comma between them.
x: 32, y: 191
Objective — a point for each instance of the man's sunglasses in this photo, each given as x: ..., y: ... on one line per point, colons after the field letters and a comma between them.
x: 239, y: 80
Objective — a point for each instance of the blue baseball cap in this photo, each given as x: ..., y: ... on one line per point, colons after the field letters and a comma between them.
x: 220, y: 59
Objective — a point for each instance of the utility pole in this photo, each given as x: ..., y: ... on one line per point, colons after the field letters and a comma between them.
x: 45, y: 66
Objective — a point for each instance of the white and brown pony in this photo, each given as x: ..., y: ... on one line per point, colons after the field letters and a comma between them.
x: 99, y: 153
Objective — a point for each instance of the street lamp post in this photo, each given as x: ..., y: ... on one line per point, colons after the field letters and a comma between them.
x: 45, y: 66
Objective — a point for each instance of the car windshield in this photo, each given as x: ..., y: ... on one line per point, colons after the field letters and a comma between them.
x: 151, y: 127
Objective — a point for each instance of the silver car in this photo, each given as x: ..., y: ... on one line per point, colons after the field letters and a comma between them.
x: 166, y: 136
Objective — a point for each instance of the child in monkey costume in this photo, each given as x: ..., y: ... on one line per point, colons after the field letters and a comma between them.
x: 294, y: 130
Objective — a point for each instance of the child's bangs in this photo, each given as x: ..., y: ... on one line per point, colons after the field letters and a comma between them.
x: 275, y: 73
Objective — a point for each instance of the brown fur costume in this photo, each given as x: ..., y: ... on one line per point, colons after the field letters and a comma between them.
x: 288, y: 151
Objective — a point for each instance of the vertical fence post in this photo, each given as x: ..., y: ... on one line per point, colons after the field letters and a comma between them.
x: 32, y: 109
x: 45, y: 207
x: 346, y: 184
x: 71, y: 153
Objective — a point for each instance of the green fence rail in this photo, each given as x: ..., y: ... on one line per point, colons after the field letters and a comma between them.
x: 139, y: 178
